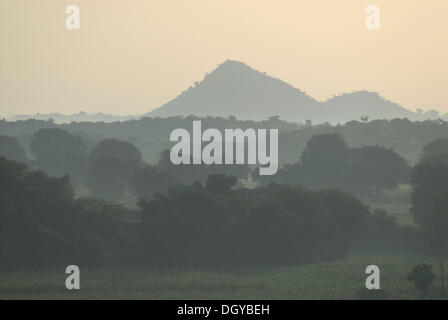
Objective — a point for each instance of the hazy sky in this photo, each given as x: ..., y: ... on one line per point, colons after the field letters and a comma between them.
x: 131, y: 56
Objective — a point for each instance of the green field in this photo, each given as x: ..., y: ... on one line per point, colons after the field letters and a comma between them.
x: 335, y: 280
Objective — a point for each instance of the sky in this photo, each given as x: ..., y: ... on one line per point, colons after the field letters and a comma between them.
x: 131, y: 56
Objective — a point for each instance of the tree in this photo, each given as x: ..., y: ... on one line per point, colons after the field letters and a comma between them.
x: 59, y: 152
x: 328, y: 162
x: 10, y: 149
x: 3, y: 214
x: 112, y: 166
x: 273, y: 225
x: 56, y: 141
x: 220, y: 183
x: 324, y: 149
x: 435, y: 147
x: 149, y: 180
x: 107, y: 178
x: 435, y: 153
x: 114, y: 148
x: 40, y: 221
x: 372, y: 169
x: 323, y: 156
x: 422, y: 276
x: 184, y: 173
x: 364, y: 118
x: 429, y: 198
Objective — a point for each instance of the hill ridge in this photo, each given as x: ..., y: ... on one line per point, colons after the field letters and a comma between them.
x: 236, y: 89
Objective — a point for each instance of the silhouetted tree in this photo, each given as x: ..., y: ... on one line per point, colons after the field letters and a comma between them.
x: 113, y: 165
x: 185, y: 173
x: 149, y: 180
x: 220, y: 183
x: 429, y: 198
x: 108, y: 177
x: 324, y: 149
x: 40, y: 221
x: 435, y: 153
x: 435, y: 147
x: 59, y: 152
x: 10, y: 149
x: 422, y: 276
x: 123, y: 150
x: 364, y: 118
x: 274, y: 225
x: 371, y: 169
x: 328, y: 162
x: 323, y: 156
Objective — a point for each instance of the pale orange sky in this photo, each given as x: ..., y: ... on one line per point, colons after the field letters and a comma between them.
x: 131, y: 56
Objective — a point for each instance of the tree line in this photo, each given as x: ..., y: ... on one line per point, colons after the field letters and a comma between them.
x: 151, y: 135
x: 43, y: 224
x: 205, y: 214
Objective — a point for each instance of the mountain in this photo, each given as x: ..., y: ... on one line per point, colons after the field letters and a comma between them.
x: 235, y: 89
x: 353, y: 106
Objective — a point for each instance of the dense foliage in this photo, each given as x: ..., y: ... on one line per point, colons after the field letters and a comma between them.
x: 68, y: 204
x: 430, y: 195
x: 327, y: 161
x: 42, y: 224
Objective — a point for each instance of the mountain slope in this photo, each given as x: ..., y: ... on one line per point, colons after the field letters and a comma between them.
x: 352, y: 106
x: 235, y: 89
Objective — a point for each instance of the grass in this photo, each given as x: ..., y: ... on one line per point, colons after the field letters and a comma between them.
x: 333, y: 280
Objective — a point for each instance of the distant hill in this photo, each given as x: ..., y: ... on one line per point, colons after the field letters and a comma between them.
x: 353, y: 106
x: 75, y: 117
x: 235, y: 89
